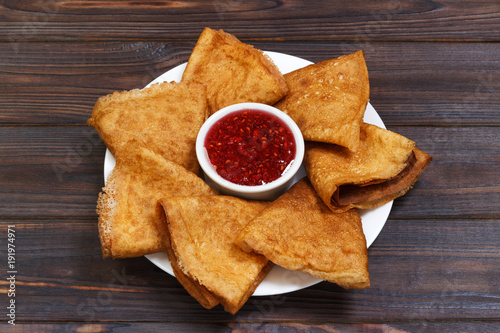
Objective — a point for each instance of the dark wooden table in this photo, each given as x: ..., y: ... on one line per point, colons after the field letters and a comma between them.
x: 435, y: 77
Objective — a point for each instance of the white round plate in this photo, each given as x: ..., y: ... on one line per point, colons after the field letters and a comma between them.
x: 279, y: 280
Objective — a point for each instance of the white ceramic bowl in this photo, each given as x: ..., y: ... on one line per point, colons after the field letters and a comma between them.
x: 268, y: 191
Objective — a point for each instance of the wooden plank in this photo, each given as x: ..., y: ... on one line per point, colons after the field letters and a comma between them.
x: 411, y: 83
x: 422, y: 327
x: 419, y: 270
x: 58, y: 172
x: 461, y: 180
x: 50, y: 171
x: 393, y: 327
x: 59, y: 83
x: 298, y: 20
x: 124, y: 327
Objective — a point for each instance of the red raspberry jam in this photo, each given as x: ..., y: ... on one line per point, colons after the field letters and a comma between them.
x: 250, y: 147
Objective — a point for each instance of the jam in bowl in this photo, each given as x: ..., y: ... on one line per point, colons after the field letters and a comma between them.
x: 250, y: 150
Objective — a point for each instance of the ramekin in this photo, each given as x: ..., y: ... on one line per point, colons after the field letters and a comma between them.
x: 268, y: 191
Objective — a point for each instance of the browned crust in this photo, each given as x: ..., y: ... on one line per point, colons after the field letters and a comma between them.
x: 381, y: 193
x: 233, y: 308
x: 328, y: 99
x: 199, y: 292
x: 220, y: 60
x: 120, y: 116
x: 267, y: 62
x: 123, y: 185
x: 106, y: 203
x: 287, y: 230
x: 347, y: 194
x: 204, y: 294
x: 278, y: 76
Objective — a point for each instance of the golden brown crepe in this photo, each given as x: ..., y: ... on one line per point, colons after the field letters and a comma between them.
x: 298, y: 232
x: 126, y: 206
x: 165, y: 117
x: 385, y: 167
x: 233, y: 72
x: 327, y: 100
x: 206, y: 298
x: 201, y: 233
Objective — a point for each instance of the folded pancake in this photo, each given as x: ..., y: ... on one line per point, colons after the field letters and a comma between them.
x: 165, y: 117
x: 201, y: 233
x: 206, y: 298
x: 328, y: 99
x: 126, y: 205
x: 298, y: 232
x: 385, y: 167
x: 232, y: 71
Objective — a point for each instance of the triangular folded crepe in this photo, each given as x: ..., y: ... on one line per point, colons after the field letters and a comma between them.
x: 298, y: 232
x: 204, y: 296
x: 126, y: 206
x: 385, y: 167
x: 166, y: 117
x: 233, y: 72
x: 328, y: 99
x: 201, y: 233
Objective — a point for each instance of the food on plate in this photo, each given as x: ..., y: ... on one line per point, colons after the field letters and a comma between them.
x: 298, y: 232
x: 201, y: 233
x: 222, y: 247
x: 204, y: 296
x: 233, y: 71
x: 166, y: 117
x: 328, y: 99
x: 126, y: 205
x: 385, y: 167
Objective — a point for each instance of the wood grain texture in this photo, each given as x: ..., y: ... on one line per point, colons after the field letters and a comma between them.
x: 395, y: 327
x: 397, y: 20
x: 434, y: 76
x: 45, y: 171
x: 419, y: 270
x: 432, y: 84
x: 58, y: 172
